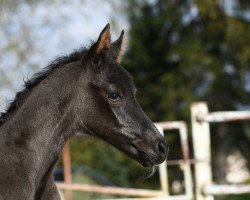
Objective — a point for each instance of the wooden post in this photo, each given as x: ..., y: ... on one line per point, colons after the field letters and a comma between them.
x: 202, y: 154
x: 67, y: 170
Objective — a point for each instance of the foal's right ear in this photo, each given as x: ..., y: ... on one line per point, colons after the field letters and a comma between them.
x: 117, y: 48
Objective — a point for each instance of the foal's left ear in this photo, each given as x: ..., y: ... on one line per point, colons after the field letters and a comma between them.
x: 117, y: 48
x: 103, y: 42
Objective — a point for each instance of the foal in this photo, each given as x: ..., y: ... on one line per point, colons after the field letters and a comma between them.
x: 87, y: 92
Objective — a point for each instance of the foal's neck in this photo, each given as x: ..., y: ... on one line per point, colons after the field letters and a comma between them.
x: 43, y: 120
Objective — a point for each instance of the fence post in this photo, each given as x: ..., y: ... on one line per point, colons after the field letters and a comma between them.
x: 163, y: 170
x: 186, y: 166
x: 202, y: 154
x: 67, y: 170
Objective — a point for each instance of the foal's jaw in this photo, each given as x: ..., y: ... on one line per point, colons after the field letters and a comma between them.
x: 148, y: 147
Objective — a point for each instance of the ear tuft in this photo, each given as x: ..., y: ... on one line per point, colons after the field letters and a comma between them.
x: 117, y: 48
x: 103, y: 42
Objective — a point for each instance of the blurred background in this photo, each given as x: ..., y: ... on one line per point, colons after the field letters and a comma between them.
x: 178, y: 51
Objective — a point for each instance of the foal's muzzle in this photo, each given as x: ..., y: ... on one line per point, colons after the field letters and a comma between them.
x: 162, y: 150
x: 152, y: 150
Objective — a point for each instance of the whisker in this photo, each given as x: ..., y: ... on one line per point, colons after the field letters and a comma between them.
x: 150, y: 171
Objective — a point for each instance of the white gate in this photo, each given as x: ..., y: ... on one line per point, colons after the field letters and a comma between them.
x: 204, y: 186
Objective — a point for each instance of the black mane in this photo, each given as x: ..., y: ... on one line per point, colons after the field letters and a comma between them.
x: 40, y: 76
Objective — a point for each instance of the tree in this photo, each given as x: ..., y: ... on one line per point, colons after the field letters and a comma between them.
x: 180, y: 52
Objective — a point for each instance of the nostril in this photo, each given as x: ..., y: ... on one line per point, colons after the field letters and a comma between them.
x: 162, y: 148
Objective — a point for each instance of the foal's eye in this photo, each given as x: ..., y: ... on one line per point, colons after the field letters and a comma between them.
x: 114, y: 96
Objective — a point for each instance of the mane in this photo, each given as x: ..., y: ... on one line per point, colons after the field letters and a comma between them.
x: 40, y: 76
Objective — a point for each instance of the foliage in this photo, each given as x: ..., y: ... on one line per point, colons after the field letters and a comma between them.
x: 180, y: 52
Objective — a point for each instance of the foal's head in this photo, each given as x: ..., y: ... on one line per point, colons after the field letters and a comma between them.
x: 109, y: 110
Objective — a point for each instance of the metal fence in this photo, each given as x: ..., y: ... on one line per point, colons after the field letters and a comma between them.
x: 203, y: 189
